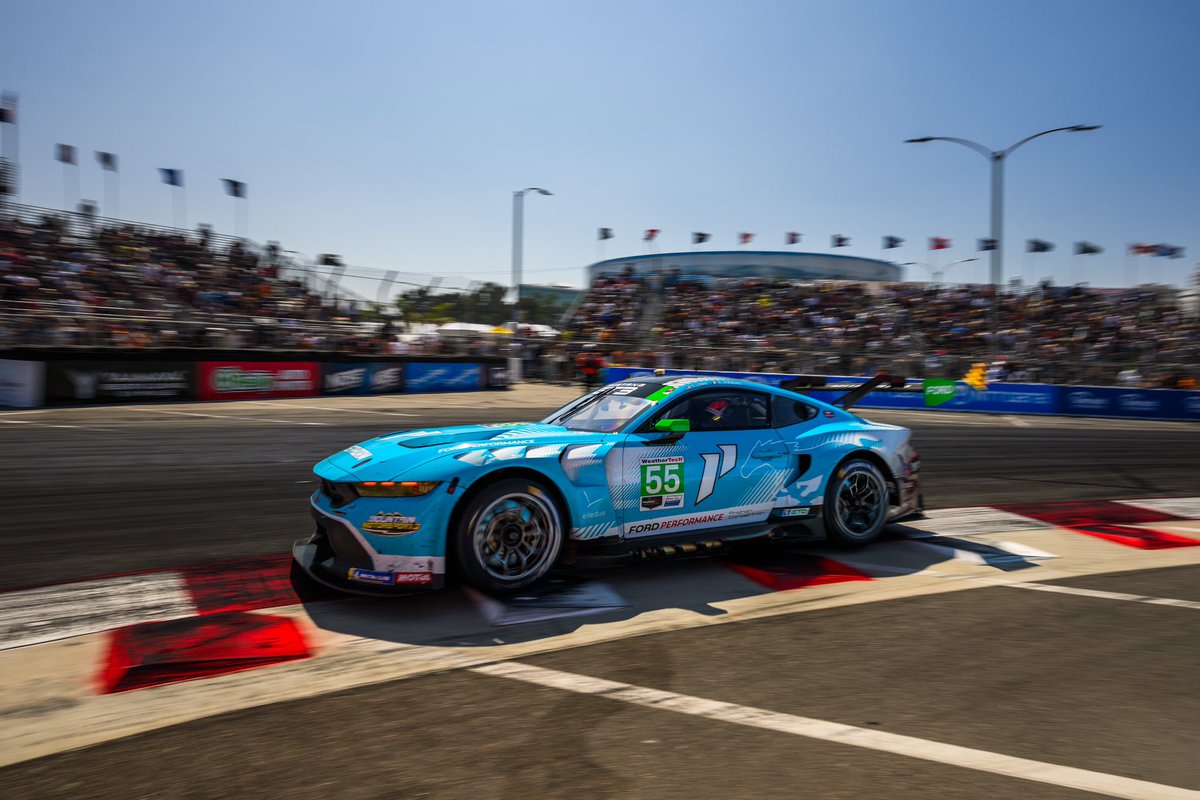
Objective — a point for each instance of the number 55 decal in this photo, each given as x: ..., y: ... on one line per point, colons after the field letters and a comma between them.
x: 716, y: 465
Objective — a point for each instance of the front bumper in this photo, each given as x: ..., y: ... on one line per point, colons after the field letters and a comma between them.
x: 317, y: 558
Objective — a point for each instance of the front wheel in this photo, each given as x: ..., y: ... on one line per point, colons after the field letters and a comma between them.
x: 856, y: 504
x: 509, y: 536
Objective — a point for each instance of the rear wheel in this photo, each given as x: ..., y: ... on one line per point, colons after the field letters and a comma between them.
x: 856, y: 504
x: 509, y: 536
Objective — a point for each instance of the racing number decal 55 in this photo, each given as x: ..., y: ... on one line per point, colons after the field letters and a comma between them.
x: 662, y: 478
x: 661, y: 483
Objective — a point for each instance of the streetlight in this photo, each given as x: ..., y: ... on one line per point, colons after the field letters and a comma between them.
x: 518, y: 237
x: 997, y: 158
x: 937, y: 274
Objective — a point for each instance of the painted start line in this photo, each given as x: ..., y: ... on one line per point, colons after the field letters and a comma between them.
x: 88, y: 661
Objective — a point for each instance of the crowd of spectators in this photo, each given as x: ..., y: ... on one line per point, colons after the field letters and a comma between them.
x: 65, y: 283
x: 1040, y: 333
x: 613, y: 309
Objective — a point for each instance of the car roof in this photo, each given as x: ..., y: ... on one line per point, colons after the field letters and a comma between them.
x: 691, y: 382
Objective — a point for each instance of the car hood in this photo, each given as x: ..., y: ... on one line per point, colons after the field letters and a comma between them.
x: 389, y: 456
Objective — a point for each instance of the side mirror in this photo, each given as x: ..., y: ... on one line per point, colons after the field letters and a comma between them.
x: 673, y: 426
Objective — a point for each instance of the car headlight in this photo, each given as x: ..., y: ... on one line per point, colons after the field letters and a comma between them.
x: 395, y: 488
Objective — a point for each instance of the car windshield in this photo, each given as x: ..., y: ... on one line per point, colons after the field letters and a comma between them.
x: 602, y: 411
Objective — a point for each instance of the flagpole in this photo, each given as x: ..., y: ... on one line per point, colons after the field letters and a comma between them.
x: 110, y: 194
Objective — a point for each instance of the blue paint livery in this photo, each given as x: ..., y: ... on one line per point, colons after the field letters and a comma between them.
x: 619, y: 486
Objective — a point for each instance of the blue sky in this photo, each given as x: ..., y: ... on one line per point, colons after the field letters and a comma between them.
x: 394, y: 133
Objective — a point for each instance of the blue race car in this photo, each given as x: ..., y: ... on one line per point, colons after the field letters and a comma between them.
x: 649, y: 465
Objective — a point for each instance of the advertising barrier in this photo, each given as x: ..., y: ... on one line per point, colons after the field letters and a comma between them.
x: 256, y: 380
x: 998, y: 398
x: 117, y: 381
x: 421, y: 376
x: 370, y: 378
x: 1104, y: 401
x: 33, y: 376
x: 21, y: 383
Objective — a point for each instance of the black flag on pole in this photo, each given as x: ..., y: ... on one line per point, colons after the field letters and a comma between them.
x: 838, y: 240
x: 700, y: 238
x: 1087, y: 249
x: 605, y: 233
x: 65, y: 153
x: 793, y: 237
x: 1038, y: 246
x: 107, y: 161
x: 987, y: 244
x: 171, y: 177
x: 234, y: 188
x: 891, y: 242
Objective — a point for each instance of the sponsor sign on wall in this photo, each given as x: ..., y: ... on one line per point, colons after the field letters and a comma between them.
x: 255, y: 380
x: 116, y: 381
x: 21, y: 383
x: 443, y: 377
x: 373, y: 378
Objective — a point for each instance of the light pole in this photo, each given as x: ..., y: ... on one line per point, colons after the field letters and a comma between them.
x: 997, y: 157
x: 518, y: 238
x: 935, y: 273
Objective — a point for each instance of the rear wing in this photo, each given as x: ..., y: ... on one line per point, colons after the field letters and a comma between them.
x: 854, y: 391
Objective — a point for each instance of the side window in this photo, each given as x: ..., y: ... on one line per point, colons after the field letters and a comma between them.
x: 718, y: 410
x: 792, y: 412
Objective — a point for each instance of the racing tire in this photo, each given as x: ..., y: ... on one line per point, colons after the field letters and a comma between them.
x: 856, y: 504
x: 509, y: 536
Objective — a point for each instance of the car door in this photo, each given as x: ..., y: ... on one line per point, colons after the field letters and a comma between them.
x: 724, y: 472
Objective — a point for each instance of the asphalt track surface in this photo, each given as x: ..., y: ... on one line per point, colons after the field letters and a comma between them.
x: 1099, y: 685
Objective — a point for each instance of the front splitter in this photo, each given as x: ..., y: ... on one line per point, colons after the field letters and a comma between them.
x: 331, y: 573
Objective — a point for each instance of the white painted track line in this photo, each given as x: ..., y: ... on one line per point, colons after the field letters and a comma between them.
x: 1081, y: 592
x: 35, y: 616
x: 224, y: 416
x: 338, y: 410
x: 910, y: 746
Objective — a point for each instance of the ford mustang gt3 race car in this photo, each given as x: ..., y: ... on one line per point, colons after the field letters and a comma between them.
x: 649, y: 465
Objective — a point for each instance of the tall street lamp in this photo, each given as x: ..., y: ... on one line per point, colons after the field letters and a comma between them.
x: 519, y: 235
x: 997, y: 157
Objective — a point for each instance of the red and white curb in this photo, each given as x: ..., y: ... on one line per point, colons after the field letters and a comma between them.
x: 204, y: 620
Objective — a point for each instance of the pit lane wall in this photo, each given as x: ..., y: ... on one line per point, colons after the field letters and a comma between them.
x: 32, y: 378
x: 998, y: 398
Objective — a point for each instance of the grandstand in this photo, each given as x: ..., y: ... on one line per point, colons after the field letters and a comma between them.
x: 80, y: 280
x: 1138, y: 336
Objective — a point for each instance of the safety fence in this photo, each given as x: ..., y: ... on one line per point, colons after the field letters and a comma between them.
x: 32, y: 379
x: 997, y: 398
